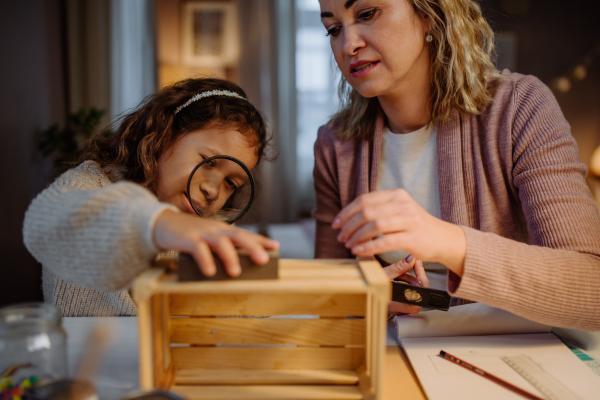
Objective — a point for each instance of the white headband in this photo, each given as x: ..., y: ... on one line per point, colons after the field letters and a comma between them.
x: 208, y: 94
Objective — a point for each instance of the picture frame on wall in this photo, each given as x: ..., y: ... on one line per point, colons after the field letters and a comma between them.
x: 210, y: 35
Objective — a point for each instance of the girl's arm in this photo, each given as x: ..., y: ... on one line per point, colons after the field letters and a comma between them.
x: 93, y: 233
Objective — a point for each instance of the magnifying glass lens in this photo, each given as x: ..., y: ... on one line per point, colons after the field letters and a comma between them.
x: 221, y: 188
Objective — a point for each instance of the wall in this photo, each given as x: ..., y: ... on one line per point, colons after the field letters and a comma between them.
x: 32, y: 98
x: 552, y: 36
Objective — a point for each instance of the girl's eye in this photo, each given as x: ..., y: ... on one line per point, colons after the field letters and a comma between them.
x: 333, y: 31
x: 211, y: 163
x: 366, y: 15
x: 231, y: 184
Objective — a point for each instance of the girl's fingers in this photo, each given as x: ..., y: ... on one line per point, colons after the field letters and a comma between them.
x: 253, y: 244
x: 204, y: 259
x: 228, y: 255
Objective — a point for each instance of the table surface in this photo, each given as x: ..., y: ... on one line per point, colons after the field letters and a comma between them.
x: 119, y: 375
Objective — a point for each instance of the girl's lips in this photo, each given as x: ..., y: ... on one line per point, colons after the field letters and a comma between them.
x: 356, y: 74
x: 186, y: 202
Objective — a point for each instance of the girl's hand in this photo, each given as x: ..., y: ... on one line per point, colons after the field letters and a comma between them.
x: 399, y: 270
x: 200, y: 237
x: 387, y: 220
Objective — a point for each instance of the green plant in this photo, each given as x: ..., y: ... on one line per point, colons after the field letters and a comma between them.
x: 63, y: 144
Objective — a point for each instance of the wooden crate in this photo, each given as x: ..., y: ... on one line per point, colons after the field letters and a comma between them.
x: 317, y: 332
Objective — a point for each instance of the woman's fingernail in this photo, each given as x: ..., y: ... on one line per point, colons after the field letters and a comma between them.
x: 340, y: 237
x: 236, y: 270
x: 335, y: 223
x: 420, y: 283
x: 349, y: 243
x: 409, y: 258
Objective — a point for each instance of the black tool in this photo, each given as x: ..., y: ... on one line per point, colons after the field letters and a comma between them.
x: 403, y: 292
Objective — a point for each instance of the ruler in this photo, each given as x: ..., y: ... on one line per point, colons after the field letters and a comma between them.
x: 586, y: 358
x: 541, y: 379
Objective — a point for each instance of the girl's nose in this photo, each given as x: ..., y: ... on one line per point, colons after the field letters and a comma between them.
x: 210, y: 189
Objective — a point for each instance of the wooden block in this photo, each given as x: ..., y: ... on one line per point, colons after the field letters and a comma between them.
x: 188, y: 270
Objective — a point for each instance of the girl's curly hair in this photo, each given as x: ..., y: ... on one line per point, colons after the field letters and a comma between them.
x: 146, y: 133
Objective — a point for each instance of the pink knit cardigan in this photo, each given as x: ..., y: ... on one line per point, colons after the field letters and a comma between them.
x: 510, y: 177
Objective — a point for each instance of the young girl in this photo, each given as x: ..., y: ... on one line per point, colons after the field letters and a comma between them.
x: 103, y: 222
x: 437, y: 154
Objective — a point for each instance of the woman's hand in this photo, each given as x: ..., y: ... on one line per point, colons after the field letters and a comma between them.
x: 200, y: 237
x: 399, y: 270
x: 387, y: 220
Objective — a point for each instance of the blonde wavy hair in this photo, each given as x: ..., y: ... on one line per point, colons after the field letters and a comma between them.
x: 461, y: 67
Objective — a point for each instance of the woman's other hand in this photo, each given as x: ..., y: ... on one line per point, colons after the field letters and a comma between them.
x: 399, y: 270
x: 200, y: 237
x: 387, y: 220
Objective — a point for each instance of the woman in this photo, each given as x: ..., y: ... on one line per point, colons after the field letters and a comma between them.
x: 505, y: 206
x: 101, y: 223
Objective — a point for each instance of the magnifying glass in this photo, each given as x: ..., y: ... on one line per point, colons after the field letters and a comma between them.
x: 222, y: 188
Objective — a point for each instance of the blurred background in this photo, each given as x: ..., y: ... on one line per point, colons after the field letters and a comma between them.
x: 70, y: 67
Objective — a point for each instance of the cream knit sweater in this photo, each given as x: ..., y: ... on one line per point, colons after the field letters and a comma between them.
x: 92, y: 232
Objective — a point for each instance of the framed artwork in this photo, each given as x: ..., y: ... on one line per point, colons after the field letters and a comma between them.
x: 209, y: 36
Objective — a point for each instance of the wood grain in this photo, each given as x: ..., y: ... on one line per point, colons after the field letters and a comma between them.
x: 287, y: 392
x: 259, y: 303
x: 261, y: 358
x: 325, y: 332
x: 196, y: 376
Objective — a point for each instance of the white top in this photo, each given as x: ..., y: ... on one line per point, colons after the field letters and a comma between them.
x: 409, y: 162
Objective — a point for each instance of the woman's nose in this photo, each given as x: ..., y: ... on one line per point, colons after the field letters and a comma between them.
x: 352, y: 40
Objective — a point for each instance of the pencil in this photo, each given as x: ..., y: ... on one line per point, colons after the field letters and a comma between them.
x: 489, y: 376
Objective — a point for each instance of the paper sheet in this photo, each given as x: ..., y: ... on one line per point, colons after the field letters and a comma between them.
x: 469, y: 319
x: 442, y: 379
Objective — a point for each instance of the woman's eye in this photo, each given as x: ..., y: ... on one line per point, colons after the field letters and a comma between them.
x: 333, y: 31
x: 366, y: 15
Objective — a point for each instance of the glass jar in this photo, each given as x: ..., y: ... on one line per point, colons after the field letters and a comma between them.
x: 32, y: 337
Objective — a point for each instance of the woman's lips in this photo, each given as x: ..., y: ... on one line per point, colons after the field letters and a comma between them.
x: 362, y: 67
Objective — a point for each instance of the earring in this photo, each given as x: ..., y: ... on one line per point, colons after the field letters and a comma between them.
x: 428, y: 38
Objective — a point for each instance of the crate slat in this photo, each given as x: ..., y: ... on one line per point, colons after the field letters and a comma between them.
x: 324, y: 332
x: 261, y: 358
x: 332, y: 273
x: 197, y: 376
x: 284, y: 392
x: 257, y: 303
x: 271, y: 286
x: 321, y: 263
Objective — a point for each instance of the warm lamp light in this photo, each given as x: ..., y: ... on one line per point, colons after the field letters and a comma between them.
x: 595, y: 163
